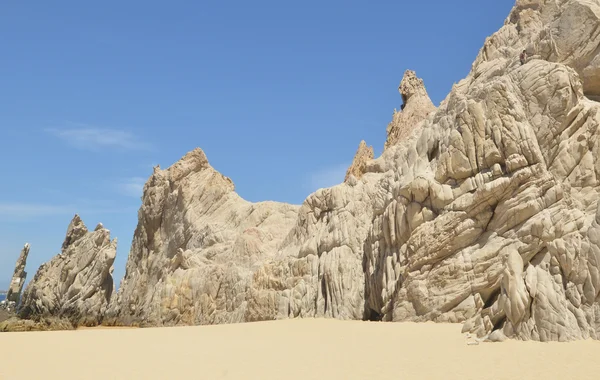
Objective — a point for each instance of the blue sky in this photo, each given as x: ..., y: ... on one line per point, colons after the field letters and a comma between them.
x: 278, y: 94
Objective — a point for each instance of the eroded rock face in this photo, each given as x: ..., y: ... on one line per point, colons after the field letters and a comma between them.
x: 77, y: 284
x: 196, y: 247
x: 416, y: 106
x: 484, y: 211
x: 18, y: 279
x: 363, y: 155
x: 508, y: 168
x: 513, y: 170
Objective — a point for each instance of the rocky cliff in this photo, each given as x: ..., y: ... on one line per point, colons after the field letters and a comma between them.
x: 76, y: 285
x: 484, y: 210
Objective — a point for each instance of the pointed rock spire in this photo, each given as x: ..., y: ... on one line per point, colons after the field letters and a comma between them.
x: 363, y: 154
x: 76, y: 230
x: 415, y: 108
x: 412, y: 86
x: 19, y: 276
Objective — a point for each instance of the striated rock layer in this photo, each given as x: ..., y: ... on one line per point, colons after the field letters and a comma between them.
x: 484, y: 210
x: 77, y: 284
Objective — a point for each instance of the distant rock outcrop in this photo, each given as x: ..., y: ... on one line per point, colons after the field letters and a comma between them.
x: 77, y: 284
x: 18, y: 279
x: 359, y: 164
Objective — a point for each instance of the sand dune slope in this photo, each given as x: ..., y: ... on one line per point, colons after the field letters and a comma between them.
x: 290, y: 349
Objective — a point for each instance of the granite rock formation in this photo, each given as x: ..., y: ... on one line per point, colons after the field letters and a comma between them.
x: 18, y: 279
x: 76, y: 285
x: 484, y: 210
x: 196, y: 247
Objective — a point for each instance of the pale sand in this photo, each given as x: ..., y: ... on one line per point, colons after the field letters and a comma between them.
x: 291, y: 349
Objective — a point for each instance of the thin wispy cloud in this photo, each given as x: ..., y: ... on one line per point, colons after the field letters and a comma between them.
x: 87, y: 137
x: 30, y: 209
x: 20, y: 211
x: 132, y: 187
x: 328, y: 176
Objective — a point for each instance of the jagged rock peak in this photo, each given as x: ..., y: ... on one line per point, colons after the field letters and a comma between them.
x: 194, y: 161
x: 411, y: 86
x: 77, y: 284
x: 75, y: 231
x: 195, y: 234
x: 415, y: 108
x: 362, y: 156
x: 19, y: 276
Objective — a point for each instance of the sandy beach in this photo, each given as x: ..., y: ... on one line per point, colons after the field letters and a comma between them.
x: 292, y: 349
